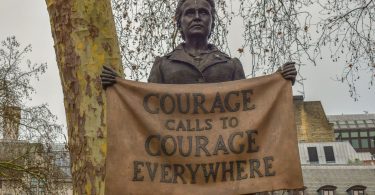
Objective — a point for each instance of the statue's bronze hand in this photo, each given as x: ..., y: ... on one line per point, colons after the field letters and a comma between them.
x: 288, y: 71
x: 108, y: 77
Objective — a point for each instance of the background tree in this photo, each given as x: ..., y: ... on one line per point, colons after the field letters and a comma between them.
x: 28, y: 132
x: 274, y: 32
x: 348, y: 32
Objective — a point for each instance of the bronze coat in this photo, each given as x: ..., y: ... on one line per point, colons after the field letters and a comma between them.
x: 179, y: 67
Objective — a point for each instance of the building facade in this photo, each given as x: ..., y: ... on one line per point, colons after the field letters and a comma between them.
x: 357, y: 129
x: 336, y: 152
x: 335, y: 168
x: 21, y: 176
x: 28, y: 167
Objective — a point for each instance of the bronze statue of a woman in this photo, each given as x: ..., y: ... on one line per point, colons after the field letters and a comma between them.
x: 195, y: 60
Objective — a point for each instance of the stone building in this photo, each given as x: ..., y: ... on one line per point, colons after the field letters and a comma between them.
x: 25, y: 166
x: 330, y: 163
x: 311, y: 120
x: 358, y: 129
x: 335, y: 168
x: 19, y: 180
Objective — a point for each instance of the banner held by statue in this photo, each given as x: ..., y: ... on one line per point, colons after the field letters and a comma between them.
x: 233, y: 137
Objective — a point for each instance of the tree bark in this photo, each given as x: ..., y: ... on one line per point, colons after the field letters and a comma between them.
x: 85, y: 38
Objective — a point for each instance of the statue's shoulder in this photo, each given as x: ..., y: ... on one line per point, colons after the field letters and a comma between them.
x: 158, y: 61
x: 166, y: 56
x: 175, y: 50
x: 225, y: 55
x: 231, y: 60
x: 217, y: 52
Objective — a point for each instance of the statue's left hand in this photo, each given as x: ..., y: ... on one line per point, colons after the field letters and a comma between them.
x: 288, y: 71
x: 108, y: 77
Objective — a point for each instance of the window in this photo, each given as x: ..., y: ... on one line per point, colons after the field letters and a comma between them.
x: 330, y: 155
x: 364, y: 143
x: 37, y: 187
x: 313, y: 155
x: 353, y: 134
x: 372, y: 142
x: 370, y: 123
x: 361, y: 124
x: 297, y: 192
x: 327, y: 190
x: 352, y: 124
x: 337, y: 135
x: 363, y: 134
x: 355, y: 143
x: 372, y: 133
x: 34, y: 186
x: 335, y: 126
x: 344, y: 134
x: 357, y: 190
x: 342, y: 124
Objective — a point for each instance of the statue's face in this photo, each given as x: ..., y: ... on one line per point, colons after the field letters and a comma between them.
x: 196, y: 18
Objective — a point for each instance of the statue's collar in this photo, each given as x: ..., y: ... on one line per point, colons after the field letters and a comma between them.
x: 214, y: 56
x: 211, y: 48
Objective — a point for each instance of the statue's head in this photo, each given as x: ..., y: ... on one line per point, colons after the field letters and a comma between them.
x: 190, y: 12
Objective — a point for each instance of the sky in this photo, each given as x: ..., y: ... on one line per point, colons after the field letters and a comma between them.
x: 29, y: 22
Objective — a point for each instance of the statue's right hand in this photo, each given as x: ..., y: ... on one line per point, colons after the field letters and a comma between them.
x: 108, y: 77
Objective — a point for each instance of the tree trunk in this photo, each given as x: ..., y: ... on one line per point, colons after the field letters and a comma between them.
x: 85, y: 39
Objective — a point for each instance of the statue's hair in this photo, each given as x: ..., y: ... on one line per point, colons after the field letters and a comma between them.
x: 178, y: 15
